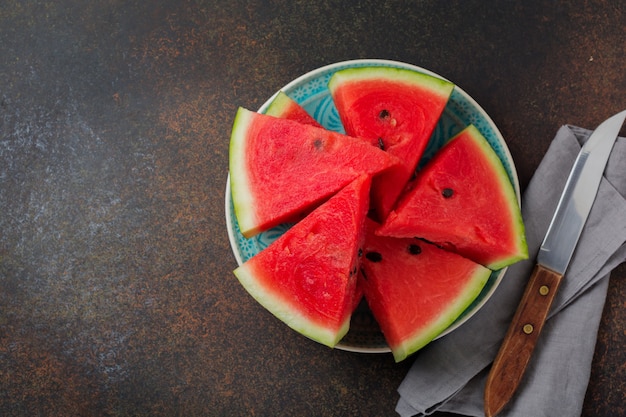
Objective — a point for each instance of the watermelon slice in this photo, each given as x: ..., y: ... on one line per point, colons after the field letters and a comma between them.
x: 285, y: 107
x: 463, y: 200
x: 307, y: 277
x: 415, y: 289
x: 280, y: 169
x: 394, y: 109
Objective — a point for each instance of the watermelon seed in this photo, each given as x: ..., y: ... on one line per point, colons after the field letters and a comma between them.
x: 447, y: 192
x: 381, y: 144
x: 360, y: 252
x: 414, y: 249
x: 317, y: 144
x: 363, y: 273
x: 386, y: 116
x: 374, y: 256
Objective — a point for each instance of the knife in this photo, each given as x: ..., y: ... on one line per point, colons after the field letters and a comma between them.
x: 552, y: 260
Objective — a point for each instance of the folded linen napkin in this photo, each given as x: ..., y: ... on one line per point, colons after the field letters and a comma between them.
x: 450, y: 373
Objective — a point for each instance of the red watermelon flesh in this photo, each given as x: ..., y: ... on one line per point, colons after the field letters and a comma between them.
x: 280, y: 169
x: 285, y: 107
x: 415, y: 289
x: 307, y: 277
x: 463, y: 200
x: 394, y: 109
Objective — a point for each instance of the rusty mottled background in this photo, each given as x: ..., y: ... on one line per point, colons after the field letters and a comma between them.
x: 116, y: 291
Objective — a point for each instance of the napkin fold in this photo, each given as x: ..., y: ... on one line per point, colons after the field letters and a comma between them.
x: 449, y: 374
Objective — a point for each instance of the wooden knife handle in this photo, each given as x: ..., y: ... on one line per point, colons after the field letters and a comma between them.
x: 518, y: 344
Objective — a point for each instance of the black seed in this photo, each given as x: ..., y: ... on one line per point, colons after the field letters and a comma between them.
x: 381, y: 144
x: 353, y: 272
x: 447, y: 192
x: 363, y: 273
x: 414, y: 249
x: 374, y: 256
x: 384, y: 114
x: 360, y: 252
x: 317, y: 143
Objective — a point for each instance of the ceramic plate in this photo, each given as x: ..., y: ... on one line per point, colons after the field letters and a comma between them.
x: 310, y: 91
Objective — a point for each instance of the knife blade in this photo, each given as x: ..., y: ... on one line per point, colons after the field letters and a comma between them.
x: 552, y: 261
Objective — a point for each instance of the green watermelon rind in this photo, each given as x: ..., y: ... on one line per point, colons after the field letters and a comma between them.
x: 422, y: 337
x: 243, y: 200
x: 279, y: 104
x: 283, y: 106
x: 285, y: 312
x: 395, y: 75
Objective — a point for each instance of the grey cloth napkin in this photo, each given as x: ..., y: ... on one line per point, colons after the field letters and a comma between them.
x: 450, y: 373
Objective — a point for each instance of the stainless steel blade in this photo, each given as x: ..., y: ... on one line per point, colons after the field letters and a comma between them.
x: 578, y: 196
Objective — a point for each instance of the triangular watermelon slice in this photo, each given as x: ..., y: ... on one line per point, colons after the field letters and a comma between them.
x: 463, y: 200
x: 394, y: 109
x: 285, y: 107
x: 415, y: 289
x: 307, y: 277
x: 280, y: 169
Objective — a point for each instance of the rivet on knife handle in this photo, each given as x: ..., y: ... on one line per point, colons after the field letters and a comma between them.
x: 519, y: 342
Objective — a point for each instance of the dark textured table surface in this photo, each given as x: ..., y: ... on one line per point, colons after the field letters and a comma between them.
x: 116, y: 288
